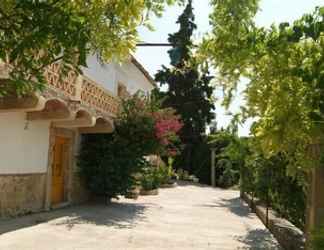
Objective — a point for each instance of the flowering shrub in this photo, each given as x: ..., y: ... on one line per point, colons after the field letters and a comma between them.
x: 142, y: 119
x: 167, y: 126
x: 109, y: 162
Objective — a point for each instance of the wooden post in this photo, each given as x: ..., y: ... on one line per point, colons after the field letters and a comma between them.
x: 315, y: 204
x: 315, y: 196
x: 213, y: 181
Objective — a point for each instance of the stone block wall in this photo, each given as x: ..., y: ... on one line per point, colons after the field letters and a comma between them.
x: 289, y: 236
x: 21, y: 194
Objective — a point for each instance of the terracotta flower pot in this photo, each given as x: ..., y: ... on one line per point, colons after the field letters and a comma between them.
x: 133, y: 194
x: 149, y: 192
x: 169, y: 185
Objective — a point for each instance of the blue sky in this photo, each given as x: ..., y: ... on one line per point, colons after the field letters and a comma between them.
x: 272, y: 11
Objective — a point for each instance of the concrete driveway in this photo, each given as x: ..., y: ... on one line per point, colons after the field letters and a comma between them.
x: 188, y: 217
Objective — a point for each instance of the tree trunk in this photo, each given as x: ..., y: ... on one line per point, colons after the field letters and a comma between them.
x: 315, y: 197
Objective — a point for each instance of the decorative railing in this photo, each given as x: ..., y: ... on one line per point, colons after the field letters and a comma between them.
x: 95, y: 95
x: 83, y: 89
x: 75, y: 87
x: 66, y: 84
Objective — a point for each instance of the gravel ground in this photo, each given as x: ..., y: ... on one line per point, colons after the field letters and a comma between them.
x: 188, y: 217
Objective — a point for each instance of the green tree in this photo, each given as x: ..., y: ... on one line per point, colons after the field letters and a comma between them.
x: 189, y: 90
x: 34, y: 34
x: 284, y: 66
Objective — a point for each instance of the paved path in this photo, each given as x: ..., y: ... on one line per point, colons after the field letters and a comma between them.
x: 188, y: 217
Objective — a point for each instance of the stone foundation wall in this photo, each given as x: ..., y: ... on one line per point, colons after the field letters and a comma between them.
x: 289, y: 236
x: 21, y: 194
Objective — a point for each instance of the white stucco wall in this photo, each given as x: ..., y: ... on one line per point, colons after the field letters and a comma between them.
x: 103, y: 74
x: 129, y: 75
x: 110, y: 75
x: 23, y: 150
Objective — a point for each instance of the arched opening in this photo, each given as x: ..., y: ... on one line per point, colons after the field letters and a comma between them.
x: 103, y: 126
x: 30, y: 102
x: 55, y: 109
x: 82, y: 118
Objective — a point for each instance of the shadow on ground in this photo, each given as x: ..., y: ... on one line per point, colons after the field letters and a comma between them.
x: 118, y: 215
x: 234, y: 205
x: 258, y: 239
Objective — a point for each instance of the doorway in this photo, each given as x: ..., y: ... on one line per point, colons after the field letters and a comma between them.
x: 59, y: 166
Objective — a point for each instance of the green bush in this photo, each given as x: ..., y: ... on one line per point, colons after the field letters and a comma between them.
x: 108, y: 166
x: 230, y: 153
x: 109, y: 163
x: 229, y: 176
x: 238, y: 160
x: 268, y: 180
x: 163, y: 174
x: 317, y: 239
x: 183, y: 174
x: 151, y: 177
x: 166, y: 174
x: 200, y: 156
x: 201, y: 161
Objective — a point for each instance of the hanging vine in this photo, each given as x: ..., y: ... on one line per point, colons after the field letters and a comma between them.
x: 285, y: 68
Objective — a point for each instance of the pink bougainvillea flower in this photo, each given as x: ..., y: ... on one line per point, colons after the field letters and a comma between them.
x: 166, y: 127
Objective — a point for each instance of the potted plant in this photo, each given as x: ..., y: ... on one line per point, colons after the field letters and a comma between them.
x: 168, y: 176
x: 150, y: 181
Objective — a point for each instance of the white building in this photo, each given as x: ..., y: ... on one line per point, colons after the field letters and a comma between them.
x: 40, y: 133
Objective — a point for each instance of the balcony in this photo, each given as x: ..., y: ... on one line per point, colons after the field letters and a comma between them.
x: 72, y: 101
x: 81, y: 88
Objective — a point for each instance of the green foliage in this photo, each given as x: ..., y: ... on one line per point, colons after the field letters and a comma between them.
x: 135, y: 125
x: 317, y: 239
x: 109, y: 163
x: 189, y: 90
x: 151, y: 178
x: 229, y: 175
x: 267, y: 179
x: 241, y: 160
x: 183, y: 174
x: 200, y: 161
x: 230, y: 156
x: 34, y: 34
x: 284, y: 66
x: 166, y: 173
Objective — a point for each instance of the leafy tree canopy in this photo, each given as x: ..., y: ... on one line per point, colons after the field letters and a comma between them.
x: 285, y: 68
x: 35, y: 33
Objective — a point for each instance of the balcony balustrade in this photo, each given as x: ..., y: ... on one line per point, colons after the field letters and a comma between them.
x: 82, y: 89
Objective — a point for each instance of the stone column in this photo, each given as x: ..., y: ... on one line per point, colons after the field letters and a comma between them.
x: 78, y: 87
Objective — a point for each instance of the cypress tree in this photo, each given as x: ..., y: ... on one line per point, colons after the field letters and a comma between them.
x: 189, y: 90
